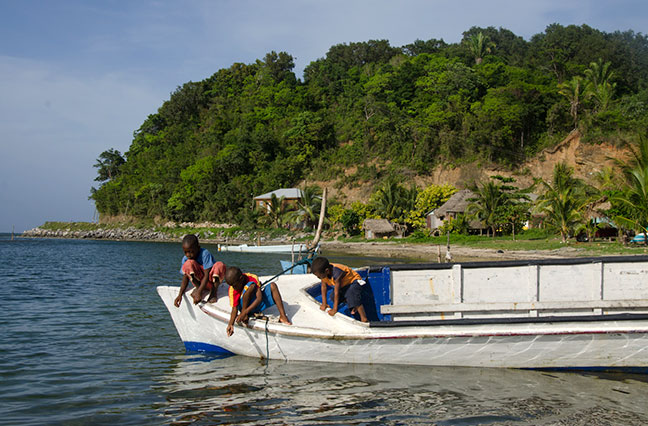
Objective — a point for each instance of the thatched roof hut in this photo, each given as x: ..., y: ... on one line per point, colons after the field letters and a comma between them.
x: 456, y: 204
x: 379, y: 228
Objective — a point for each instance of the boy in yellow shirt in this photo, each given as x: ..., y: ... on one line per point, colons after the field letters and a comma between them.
x: 346, y: 283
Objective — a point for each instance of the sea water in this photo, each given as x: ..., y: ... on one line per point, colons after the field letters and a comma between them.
x: 84, y: 339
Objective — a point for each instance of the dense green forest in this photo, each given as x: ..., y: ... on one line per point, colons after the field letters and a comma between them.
x: 390, y: 111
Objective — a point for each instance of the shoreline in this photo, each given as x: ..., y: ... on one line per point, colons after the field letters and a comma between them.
x: 388, y: 249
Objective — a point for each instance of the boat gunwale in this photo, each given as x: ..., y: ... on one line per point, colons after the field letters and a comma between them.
x: 511, y: 263
x: 510, y: 320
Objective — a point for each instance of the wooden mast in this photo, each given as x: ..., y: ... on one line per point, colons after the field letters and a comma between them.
x: 320, y: 224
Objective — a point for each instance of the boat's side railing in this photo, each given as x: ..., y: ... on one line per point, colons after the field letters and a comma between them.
x: 596, y: 286
x: 532, y: 308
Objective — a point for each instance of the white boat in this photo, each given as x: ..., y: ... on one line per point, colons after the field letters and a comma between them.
x: 567, y: 313
x: 278, y: 248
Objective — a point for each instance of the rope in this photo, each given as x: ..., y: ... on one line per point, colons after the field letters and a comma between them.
x: 308, y: 260
x: 267, y: 343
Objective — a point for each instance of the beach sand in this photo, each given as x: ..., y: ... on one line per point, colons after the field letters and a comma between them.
x: 434, y: 252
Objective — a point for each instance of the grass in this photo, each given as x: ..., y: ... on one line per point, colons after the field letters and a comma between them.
x: 73, y: 226
x: 531, y: 240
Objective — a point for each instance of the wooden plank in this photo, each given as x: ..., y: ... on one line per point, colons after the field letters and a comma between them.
x: 522, y: 306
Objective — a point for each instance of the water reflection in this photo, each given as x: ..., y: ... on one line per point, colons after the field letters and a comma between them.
x: 243, y: 390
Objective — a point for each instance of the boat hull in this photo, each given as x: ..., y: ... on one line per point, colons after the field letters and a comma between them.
x: 600, y: 344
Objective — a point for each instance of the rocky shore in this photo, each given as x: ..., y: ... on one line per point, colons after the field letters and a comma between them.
x: 132, y: 234
x: 140, y: 234
x: 390, y: 249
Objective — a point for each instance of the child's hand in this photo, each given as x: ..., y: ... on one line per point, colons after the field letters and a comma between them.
x: 177, y: 301
x: 332, y: 311
x: 242, y: 318
x: 323, y: 306
x: 230, y: 330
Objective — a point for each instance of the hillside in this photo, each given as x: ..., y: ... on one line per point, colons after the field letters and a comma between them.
x: 426, y: 112
x: 585, y: 158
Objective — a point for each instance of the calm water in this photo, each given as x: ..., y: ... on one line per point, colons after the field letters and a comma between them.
x: 86, y: 340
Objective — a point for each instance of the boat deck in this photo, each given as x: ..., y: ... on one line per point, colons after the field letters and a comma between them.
x: 302, y: 309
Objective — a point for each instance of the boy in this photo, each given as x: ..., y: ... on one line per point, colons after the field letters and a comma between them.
x: 199, y: 268
x: 346, y: 284
x: 247, y: 296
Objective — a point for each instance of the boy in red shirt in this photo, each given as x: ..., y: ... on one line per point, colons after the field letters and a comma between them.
x: 199, y: 268
x: 247, y: 296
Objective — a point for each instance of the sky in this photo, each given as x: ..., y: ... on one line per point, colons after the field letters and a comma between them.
x: 78, y: 77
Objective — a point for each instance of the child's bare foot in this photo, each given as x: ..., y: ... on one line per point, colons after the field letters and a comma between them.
x: 284, y: 320
x: 212, y: 299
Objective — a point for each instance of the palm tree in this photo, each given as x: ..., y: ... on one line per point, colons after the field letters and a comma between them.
x: 564, y: 200
x: 635, y: 199
x: 499, y: 203
x: 485, y: 206
x: 393, y: 201
x: 562, y: 209
x: 573, y: 90
x: 308, y: 207
x: 606, y: 179
x: 276, y: 211
x: 479, y: 46
x: 599, y: 85
x: 109, y: 164
x: 634, y: 194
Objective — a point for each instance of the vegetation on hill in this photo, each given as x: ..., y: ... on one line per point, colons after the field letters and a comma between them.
x: 387, y: 112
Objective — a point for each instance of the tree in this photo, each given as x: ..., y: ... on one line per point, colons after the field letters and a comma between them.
x: 573, y: 90
x: 308, y: 207
x: 599, y: 84
x: 377, y: 109
x: 563, y: 201
x: 279, y: 67
x: 350, y: 221
x: 419, y: 46
x: 634, y: 193
x: 479, y: 45
x: 497, y: 203
x: 635, y: 198
x: 108, y: 165
x: 393, y: 201
x: 275, y: 212
x: 427, y: 200
x: 485, y: 205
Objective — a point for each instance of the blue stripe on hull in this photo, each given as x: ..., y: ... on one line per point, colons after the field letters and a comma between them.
x: 628, y: 370
x: 205, y: 347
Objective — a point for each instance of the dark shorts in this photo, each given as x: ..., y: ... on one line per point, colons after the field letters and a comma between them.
x: 352, y: 294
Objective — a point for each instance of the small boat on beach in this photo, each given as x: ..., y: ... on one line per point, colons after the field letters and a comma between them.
x: 580, y: 313
x: 277, y: 248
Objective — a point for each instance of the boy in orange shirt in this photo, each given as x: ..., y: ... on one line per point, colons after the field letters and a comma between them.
x: 346, y: 283
x: 247, y: 296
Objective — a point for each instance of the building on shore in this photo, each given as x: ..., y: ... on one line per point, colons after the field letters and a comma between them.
x: 288, y: 196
